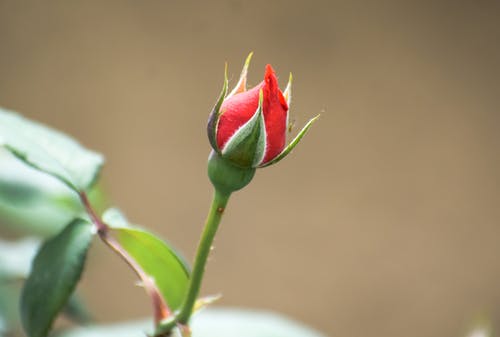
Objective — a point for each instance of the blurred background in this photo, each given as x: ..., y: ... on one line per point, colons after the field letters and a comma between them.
x: 385, y: 219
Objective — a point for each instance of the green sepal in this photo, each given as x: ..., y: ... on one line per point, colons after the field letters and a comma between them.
x: 247, y: 146
x: 241, y: 85
x: 213, y: 119
x: 287, y: 94
x: 292, y: 144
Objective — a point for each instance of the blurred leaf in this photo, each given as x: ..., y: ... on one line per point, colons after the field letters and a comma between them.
x: 122, y: 329
x: 15, y: 263
x: 49, y: 150
x: 247, y: 323
x: 34, y: 202
x: 481, y: 327
x: 4, y: 328
x: 115, y: 218
x: 211, y: 323
x: 97, y: 198
x: 480, y: 332
x: 157, y: 258
x: 16, y: 257
x: 10, y: 293
x: 9, y: 307
x: 55, y: 272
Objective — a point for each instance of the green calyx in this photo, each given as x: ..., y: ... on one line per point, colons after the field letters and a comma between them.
x: 225, y: 176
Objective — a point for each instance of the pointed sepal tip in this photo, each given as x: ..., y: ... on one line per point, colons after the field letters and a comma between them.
x: 292, y: 144
x: 241, y: 86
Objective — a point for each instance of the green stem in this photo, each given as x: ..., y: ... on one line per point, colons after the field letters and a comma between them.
x: 212, y: 223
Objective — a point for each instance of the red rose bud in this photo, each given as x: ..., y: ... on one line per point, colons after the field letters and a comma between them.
x: 247, y: 128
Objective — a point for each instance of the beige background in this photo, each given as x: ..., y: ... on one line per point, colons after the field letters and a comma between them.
x: 383, y: 222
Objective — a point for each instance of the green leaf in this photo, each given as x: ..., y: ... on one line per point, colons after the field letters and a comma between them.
x: 15, y: 263
x: 211, y: 323
x: 159, y: 261
x: 54, y: 275
x: 155, y: 256
x: 32, y: 201
x: 115, y: 218
x: 35, y: 203
x: 49, y: 150
x: 10, y: 325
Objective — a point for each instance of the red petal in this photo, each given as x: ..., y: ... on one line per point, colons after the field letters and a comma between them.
x: 236, y: 111
x: 275, y: 110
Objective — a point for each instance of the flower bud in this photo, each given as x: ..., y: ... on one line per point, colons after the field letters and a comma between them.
x: 248, y: 128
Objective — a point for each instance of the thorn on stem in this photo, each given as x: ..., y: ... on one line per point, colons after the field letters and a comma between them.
x: 184, y: 330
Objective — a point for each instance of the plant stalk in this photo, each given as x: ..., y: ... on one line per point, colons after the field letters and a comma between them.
x: 160, y: 307
x: 219, y: 203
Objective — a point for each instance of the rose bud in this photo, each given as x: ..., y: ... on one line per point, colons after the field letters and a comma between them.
x: 247, y: 128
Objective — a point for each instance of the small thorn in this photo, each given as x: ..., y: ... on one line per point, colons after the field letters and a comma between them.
x: 184, y: 330
x: 291, y: 125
